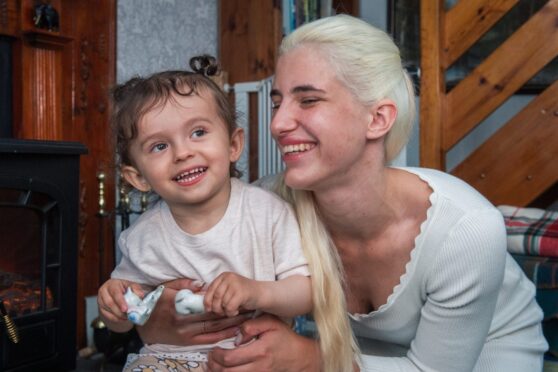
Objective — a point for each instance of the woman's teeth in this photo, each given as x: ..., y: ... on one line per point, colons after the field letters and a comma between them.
x: 190, y: 175
x: 301, y: 147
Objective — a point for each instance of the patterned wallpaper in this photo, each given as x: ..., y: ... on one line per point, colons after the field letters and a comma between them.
x: 155, y: 35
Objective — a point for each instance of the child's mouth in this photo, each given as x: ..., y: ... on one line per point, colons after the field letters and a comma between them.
x: 190, y: 175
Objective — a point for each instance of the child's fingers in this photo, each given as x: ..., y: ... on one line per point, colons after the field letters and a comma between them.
x: 210, y: 293
x: 117, y: 300
x: 109, y: 310
x: 232, y: 300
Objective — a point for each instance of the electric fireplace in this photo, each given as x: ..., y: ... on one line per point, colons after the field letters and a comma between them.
x: 39, y: 182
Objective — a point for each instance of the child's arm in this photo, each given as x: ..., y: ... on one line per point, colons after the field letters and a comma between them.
x: 286, y: 297
x: 113, y: 307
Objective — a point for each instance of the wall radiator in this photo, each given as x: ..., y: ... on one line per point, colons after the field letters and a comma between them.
x: 269, y: 158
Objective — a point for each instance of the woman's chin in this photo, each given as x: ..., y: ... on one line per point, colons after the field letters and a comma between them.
x: 297, y: 179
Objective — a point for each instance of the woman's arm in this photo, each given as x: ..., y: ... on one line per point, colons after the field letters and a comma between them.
x: 276, y: 348
x: 167, y: 327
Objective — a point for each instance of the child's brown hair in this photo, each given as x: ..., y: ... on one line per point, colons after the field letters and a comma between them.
x: 134, y: 98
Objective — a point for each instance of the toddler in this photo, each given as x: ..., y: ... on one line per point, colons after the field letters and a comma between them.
x: 177, y: 136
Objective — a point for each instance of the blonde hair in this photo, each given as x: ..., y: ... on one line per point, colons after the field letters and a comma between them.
x: 368, y: 63
x: 337, y: 344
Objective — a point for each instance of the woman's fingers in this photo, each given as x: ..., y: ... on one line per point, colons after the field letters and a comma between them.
x: 276, y: 348
x: 178, y: 284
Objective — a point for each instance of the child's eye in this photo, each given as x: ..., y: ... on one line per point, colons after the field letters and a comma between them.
x: 199, y: 133
x: 158, y: 147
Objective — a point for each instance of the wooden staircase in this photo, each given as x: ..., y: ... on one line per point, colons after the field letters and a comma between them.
x: 520, y: 161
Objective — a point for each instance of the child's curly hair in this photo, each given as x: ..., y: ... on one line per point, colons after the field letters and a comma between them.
x: 134, y: 98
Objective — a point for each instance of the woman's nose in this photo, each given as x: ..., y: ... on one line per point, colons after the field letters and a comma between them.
x: 282, y: 122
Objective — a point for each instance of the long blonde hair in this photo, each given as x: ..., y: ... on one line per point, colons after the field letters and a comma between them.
x: 337, y: 344
x: 368, y: 62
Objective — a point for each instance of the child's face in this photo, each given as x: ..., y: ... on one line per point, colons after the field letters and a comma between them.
x: 183, y: 152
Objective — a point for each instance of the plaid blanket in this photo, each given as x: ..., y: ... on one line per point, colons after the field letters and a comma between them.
x: 531, y: 231
x: 543, y: 271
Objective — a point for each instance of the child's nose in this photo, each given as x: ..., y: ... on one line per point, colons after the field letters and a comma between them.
x: 182, y: 152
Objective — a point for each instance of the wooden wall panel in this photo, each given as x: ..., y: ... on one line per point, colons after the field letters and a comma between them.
x: 249, y: 35
x: 42, y: 96
x: 9, y: 20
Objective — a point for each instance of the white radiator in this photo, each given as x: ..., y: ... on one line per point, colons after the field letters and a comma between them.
x: 269, y: 158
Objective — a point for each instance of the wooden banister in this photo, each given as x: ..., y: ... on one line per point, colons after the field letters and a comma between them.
x: 518, y: 163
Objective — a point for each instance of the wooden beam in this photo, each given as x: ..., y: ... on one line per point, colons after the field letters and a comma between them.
x: 467, y: 21
x: 518, y: 59
x: 432, y: 77
x: 518, y: 162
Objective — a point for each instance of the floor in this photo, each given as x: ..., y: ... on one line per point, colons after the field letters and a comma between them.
x: 97, y: 363
x: 115, y: 348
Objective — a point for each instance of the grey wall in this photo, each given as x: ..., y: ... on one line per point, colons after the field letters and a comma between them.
x: 156, y: 35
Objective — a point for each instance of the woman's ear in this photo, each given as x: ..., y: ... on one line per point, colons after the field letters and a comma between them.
x: 237, y: 144
x: 134, y: 178
x: 382, y: 117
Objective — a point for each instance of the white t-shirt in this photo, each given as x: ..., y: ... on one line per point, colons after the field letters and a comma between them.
x: 257, y: 237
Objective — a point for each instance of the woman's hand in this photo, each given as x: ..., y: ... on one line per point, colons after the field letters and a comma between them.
x: 277, y: 348
x: 166, y: 326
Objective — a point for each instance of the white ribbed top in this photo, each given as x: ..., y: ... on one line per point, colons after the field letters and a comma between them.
x: 463, y: 304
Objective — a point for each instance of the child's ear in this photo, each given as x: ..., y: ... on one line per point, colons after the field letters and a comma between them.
x: 134, y: 178
x: 382, y: 116
x: 237, y: 144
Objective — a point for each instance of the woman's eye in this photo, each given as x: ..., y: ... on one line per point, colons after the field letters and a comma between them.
x: 158, y: 147
x: 199, y: 133
x: 308, y: 101
x: 275, y: 105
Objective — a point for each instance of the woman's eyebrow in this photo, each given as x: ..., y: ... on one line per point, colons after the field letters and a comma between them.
x: 306, y: 88
x: 297, y: 89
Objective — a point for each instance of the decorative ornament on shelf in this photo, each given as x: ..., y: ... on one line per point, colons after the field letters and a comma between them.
x: 46, y: 17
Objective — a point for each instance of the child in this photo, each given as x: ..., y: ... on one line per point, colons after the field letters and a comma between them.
x: 177, y: 136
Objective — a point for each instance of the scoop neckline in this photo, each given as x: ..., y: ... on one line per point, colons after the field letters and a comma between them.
x: 411, y: 264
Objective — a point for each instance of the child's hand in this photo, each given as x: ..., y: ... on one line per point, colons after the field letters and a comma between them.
x: 229, y: 292
x: 112, y: 306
